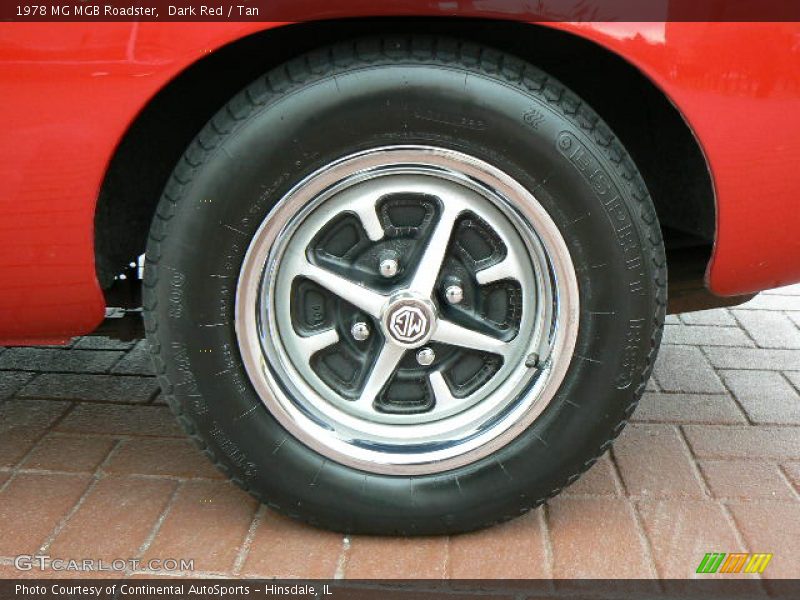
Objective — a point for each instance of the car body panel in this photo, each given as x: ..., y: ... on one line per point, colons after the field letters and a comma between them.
x: 71, y: 90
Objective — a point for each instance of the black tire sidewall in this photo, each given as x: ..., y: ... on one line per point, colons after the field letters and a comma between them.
x: 221, y: 196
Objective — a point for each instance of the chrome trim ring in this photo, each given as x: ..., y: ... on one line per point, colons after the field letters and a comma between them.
x: 455, y: 431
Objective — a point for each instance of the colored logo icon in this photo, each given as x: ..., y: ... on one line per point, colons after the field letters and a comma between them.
x: 720, y: 562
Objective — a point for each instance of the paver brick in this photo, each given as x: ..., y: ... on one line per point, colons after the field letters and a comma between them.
x: 771, y: 526
x: 115, y: 518
x: 22, y: 423
x: 682, y: 531
x: 786, y: 290
x: 517, y: 550
x: 792, y: 470
x: 121, y: 420
x: 753, y: 358
x: 50, y: 360
x: 769, y: 329
x: 745, y: 479
x: 32, y: 505
x: 11, y: 381
x: 685, y: 369
x: 688, y: 408
x: 15, y: 445
x: 714, y: 441
x: 596, y: 538
x: 208, y: 523
x: 285, y: 548
x: 101, y: 342
x: 717, y: 316
x: 29, y: 415
x: 766, y: 396
x: 69, y: 453
x: 654, y: 461
x: 707, y: 335
x: 166, y: 457
x: 599, y: 480
x: 794, y: 378
x: 136, y: 362
x: 770, y: 302
x: 396, y: 558
x: 96, y: 388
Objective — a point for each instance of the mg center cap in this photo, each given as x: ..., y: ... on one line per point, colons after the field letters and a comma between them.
x: 408, y: 320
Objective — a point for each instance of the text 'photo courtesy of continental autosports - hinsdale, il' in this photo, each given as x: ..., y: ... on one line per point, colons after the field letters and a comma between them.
x: 366, y: 292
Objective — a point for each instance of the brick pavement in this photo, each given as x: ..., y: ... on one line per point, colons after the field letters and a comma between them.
x: 92, y: 464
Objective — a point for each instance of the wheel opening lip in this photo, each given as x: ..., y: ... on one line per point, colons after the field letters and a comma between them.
x: 347, y: 445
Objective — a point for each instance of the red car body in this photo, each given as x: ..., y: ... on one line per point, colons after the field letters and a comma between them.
x: 69, y: 92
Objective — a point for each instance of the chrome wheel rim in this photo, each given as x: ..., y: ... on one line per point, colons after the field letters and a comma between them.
x: 373, y: 282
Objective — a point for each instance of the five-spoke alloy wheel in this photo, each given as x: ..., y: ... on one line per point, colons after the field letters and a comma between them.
x: 375, y: 367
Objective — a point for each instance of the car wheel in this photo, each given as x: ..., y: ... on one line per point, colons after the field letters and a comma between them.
x: 404, y: 286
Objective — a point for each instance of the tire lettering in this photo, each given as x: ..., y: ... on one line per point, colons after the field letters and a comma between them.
x: 233, y: 452
x: 627, y: 237
x: 630, y: 354
x: 532, y: 118
x: 175, y: 310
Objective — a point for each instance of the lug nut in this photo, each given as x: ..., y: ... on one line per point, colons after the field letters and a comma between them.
x: 454, y: 294
x: 360, y: 331
x: 388, y: 267
x: 426, y: 356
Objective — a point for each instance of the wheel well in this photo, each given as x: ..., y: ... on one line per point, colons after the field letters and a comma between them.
x: 651, y: 128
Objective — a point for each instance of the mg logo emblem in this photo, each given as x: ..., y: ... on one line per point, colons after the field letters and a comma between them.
x: 408, y: 320
x: 408, y: 324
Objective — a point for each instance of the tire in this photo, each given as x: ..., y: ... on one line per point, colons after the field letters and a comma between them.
x: 474, y: 106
